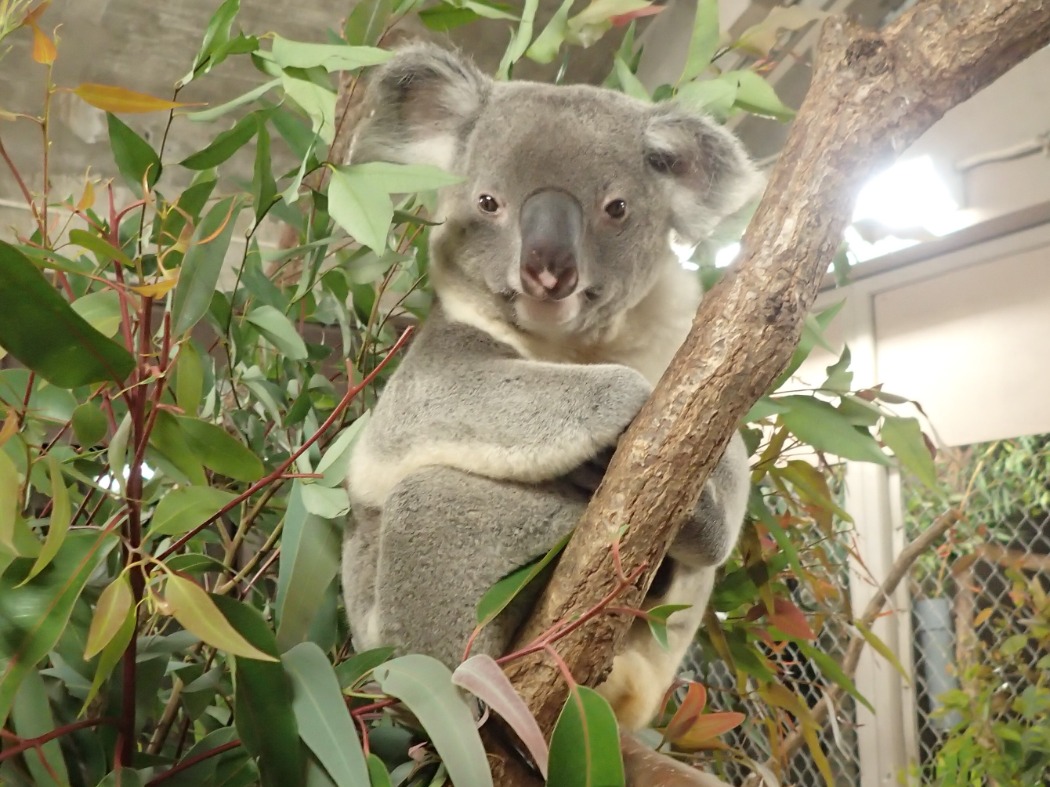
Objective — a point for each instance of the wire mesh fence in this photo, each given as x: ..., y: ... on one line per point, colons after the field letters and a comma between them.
x: 758, y: 737
x: 981, y: 619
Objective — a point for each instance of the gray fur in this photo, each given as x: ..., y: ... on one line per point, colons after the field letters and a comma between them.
x: 489, y: 439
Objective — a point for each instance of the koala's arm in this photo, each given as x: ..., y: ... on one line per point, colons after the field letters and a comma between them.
x: 463, y: 400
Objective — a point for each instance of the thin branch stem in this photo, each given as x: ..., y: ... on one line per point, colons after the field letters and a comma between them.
x: 283, y: 467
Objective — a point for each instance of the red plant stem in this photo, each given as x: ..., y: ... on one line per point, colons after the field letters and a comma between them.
x: 557, y: 632
x: 262, y: 570
x: 58, y: 732
x: 566, y: 673
x: 372, y: 707
x: 283, y: 467
x: 189, y: 762
x: 25, y: 191
x: 133, y: 530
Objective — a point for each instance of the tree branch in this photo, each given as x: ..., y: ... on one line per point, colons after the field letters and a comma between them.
x: 873, y: 94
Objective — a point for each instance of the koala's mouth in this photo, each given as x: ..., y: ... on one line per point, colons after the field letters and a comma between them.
x: 544, y: 315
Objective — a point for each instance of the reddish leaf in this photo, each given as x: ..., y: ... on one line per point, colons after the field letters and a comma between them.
x: 625, y: 19
x: 789, y: 619
x: 688, y: 712
x: 785, y: 616
x: 708, y: 727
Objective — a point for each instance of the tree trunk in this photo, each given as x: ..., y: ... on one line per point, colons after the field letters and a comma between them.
x: 873, y: 93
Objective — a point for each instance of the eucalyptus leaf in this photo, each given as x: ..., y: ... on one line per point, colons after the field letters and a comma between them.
x: 585, y: 744
x: 323, y: 719
x: 425, y: 685
x: 41, y: 330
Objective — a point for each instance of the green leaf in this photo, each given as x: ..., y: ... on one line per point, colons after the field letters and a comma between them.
x: 545, y: 48
x: 316, y: 101
x: 630, y: 84
x: 279, y: 330
x: 202, y: 264
x: 58, y: 526
x: 367, y: 21
x: 324, y: 722
x: 263, y: 712
x: 325, y: 502
x: 657, y: 617
x: 122, y: 777
x: 111, y: 613
x: 264, y: 187
x: 357, y: 666
x: 216, y: 37
x: 330, y: 57
x: 377, y: 771
x: 101, y: 248
x: 585, y: 744
x: 189, y: 378
x: 169, y: 441
x: 503, y: 592
x: 225, y: 144
x: 712, y: 96
x: 101, y: 309
x: 310, y: 549
x: 755, y: 95
x: 35, y: 615
x: 519, y: 42
x: 401, y: 178
x: 336, y: 460
x: 813, y: 328
x: 206, y: 115
x: 883, y: 649
x: 359, y: 209
x: 904, y: 438
x: 817, y: 423
x: 764, y: 408
x: 181, y: 510
x: 220, y: 451
x: 704, y: 42
x: 445, y: 16
x: 10, y: 504
x: 31, y: 717
x: 425, y: 686
x: 41, y: 330
x: 109, y: 658
x: 840, y: 378
x: 197, y: 613
x: 89, y: 424
x: 134, y: 156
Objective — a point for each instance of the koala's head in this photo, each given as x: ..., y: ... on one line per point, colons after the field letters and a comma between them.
x: 571, y: 195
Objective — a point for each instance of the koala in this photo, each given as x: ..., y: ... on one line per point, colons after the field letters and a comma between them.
x: 559, y: 302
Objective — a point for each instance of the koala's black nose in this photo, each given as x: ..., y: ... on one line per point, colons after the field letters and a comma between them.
x: 551, y: 231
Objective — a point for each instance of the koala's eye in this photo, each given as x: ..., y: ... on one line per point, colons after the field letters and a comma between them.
x: 616, y: 208
x: 488, y: 203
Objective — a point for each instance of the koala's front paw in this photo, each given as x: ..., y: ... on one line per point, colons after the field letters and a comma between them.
x: 618, y: 393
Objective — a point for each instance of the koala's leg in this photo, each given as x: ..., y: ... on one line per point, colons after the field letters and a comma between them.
x: 446, y: 537
x: 643, y: 671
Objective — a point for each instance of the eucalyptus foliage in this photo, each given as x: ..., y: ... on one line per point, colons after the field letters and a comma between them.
x: 179, y: 403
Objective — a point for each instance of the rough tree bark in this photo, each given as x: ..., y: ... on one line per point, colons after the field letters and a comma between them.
x: 873, y: 93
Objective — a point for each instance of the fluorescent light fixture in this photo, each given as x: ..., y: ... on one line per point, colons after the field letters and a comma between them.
x: 908, y: 195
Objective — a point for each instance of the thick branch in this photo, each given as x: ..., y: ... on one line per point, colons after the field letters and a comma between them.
x: 873, y: 94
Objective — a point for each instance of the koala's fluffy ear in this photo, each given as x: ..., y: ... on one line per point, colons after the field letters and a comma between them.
x: 711, y: 175
x: 420, y: 104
